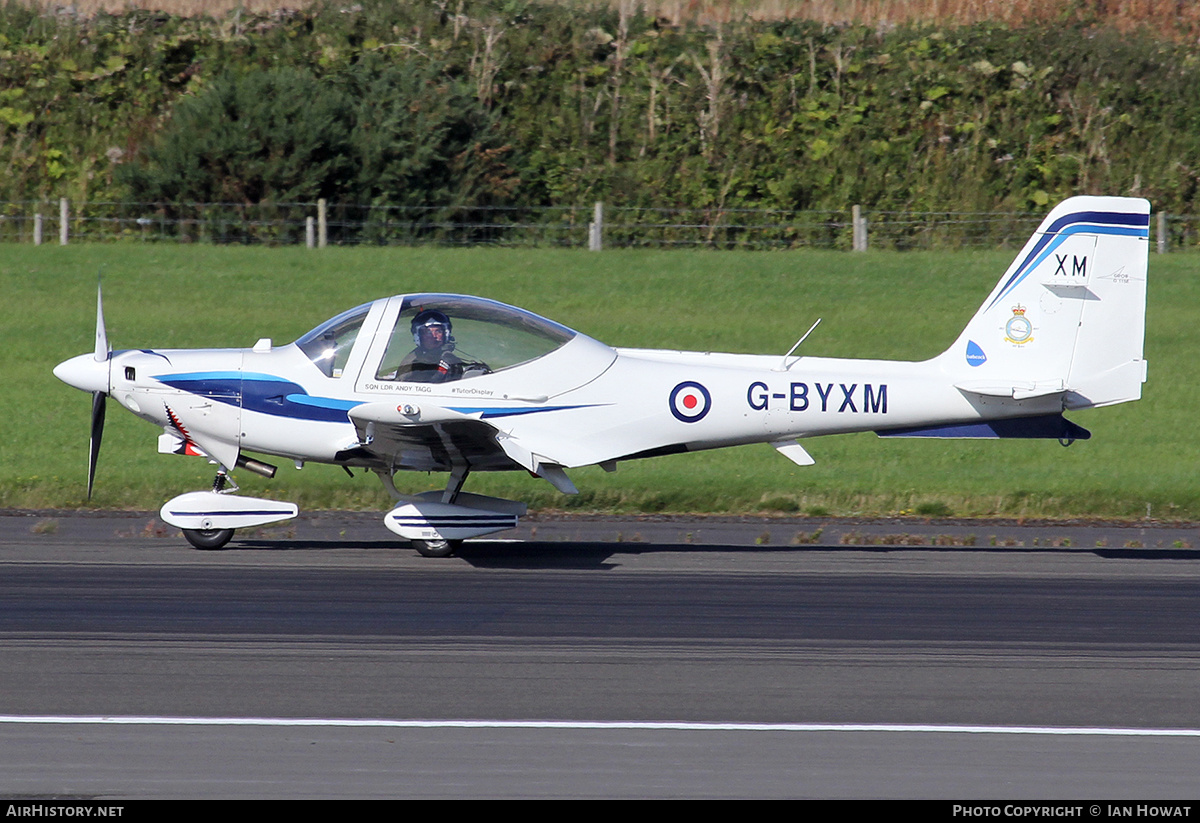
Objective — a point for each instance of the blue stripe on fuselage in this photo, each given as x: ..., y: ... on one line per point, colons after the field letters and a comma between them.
x: 269, y: 394
x: 487, y: 412
x: 263, y: 393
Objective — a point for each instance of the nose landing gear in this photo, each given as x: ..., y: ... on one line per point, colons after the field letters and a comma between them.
x: 208, y: 519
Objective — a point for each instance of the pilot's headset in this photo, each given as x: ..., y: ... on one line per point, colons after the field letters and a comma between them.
x: 432, y: 317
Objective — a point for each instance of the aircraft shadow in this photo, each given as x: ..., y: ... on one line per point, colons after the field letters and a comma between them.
x: 597, y: 555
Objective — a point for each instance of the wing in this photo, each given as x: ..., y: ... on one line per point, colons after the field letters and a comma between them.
x: 429, y: 438
x: 433, y: 438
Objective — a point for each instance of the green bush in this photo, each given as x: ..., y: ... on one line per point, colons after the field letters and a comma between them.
x: 489, y: 102
x: 281, y: 135
x: 401, y: 134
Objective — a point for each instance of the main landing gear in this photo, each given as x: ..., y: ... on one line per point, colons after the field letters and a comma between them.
x: 436, y: 523
x: 436, y: 548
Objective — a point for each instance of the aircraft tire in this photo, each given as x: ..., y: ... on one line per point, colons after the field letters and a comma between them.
x: 208, y: 539
x: 436, y: 548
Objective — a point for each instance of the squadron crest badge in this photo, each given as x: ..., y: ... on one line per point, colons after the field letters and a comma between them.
x: 1018, y: 329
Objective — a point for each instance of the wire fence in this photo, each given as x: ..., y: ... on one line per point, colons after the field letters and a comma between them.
x: 596, y: 226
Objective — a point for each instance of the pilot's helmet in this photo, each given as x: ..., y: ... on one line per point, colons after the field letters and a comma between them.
x: 430, y: 318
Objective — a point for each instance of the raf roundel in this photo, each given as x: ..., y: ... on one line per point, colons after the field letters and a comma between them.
x: 690, y: 402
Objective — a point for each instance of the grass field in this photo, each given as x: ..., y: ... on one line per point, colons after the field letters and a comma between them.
x: 897, y: 305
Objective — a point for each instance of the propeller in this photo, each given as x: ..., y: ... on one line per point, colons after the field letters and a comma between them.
x: 90, y: 373
x: 99, y: 398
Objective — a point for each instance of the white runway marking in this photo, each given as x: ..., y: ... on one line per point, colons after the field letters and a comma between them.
x: 134, y: 720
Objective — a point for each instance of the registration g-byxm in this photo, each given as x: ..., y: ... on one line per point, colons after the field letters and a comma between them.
x: 456, y: 384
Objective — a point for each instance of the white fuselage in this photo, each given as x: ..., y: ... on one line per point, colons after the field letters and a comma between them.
x: 611, y: 404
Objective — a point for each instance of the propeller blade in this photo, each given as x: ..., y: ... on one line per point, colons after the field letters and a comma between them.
x: 101, y: 334
x: 99, y: 398
x: 99, y: 403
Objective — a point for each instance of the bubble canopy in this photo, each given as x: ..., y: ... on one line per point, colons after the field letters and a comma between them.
x: 483, y: 331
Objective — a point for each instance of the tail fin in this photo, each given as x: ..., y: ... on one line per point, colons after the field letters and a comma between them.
x: 1069, y: 315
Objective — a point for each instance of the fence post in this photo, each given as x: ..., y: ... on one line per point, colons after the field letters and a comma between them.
x: 322, y: 224
x: 1162, y: 232
x: 37, y: 229
x: 858, y: 224
x: 596, y: 228
x: 309, y: 232
x: 63, y: 212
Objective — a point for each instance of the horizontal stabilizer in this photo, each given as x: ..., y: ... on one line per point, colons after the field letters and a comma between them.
x: 1015, y: 390
x: 1046, y: 426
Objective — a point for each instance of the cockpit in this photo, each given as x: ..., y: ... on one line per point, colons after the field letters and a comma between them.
x: 329, y: 345
x: 437, y: 338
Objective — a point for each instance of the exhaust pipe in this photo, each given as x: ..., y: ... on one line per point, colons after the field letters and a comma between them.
x: 256, y: 466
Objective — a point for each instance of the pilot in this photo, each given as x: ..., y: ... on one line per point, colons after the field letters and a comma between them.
x: 433, y: 360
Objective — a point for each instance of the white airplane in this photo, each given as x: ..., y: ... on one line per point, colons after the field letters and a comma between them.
x: 450, y: 383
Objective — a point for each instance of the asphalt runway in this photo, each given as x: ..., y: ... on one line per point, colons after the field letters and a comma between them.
x: 601, y: 657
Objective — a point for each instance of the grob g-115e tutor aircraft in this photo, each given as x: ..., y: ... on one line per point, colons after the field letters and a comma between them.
x: 457, y: 384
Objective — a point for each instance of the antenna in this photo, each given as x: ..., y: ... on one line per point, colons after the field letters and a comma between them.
x: 783, y: 365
